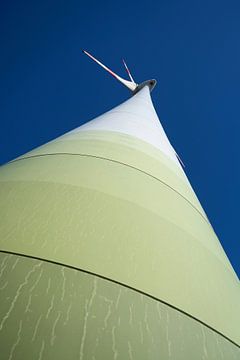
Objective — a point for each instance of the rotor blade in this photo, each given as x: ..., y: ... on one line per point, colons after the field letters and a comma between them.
x: 129, y: 84
x: 128, y: 71
x: 180, y: 160
x: 99, y: 63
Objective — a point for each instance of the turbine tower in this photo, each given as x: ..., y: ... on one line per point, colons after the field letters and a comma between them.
x: 106, y: 252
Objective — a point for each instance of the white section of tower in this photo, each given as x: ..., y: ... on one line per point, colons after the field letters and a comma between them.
x: 136, y: 117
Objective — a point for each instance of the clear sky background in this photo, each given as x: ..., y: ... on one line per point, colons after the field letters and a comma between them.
x: 192, y: 48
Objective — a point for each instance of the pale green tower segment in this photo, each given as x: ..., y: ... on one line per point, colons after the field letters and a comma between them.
x: 106, y: 252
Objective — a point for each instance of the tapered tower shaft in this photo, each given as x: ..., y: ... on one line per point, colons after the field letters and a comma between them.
x: 107, y: 253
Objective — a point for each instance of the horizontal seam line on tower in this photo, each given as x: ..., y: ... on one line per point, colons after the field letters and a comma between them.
x: 121, y: 163
x: 121, y: 284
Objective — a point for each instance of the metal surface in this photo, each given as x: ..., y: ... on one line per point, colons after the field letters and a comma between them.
x: 119, y: 207
x: 49, y: 311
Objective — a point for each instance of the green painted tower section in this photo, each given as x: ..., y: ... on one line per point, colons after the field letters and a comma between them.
x: 106, y: 252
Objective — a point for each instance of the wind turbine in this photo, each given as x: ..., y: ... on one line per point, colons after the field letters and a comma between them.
x: 131, y: 85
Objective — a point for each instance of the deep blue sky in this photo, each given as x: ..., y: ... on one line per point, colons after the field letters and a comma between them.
x: 191, y: 47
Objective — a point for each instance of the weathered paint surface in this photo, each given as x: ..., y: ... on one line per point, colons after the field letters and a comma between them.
x: 49, y: 311
x: 116, y: 206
